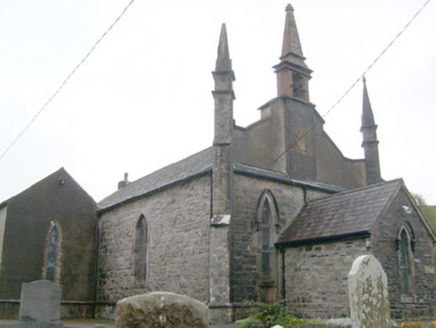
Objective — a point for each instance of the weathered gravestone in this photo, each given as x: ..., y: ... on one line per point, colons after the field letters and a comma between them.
x: 368, y: 292
x: 40, y: 305
x: 161, y: 309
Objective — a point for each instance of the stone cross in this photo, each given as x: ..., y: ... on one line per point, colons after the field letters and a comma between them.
x: 40, y: 304
x: 368, y: 292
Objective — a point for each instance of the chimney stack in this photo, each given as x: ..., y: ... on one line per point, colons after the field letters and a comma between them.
x: 124, y: 182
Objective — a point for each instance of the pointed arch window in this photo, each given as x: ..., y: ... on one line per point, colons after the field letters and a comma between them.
x: 268, y: 227
x: 265, y: 240
x: 52, y: 254
x: 405, y: 247
x: 141, y: 250
x: 404, y: 262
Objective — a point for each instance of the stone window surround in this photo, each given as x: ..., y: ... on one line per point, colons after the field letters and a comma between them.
x: 137, y: 280
x: 267, y: 199
x: 57, y: 275
x: 407, y: 229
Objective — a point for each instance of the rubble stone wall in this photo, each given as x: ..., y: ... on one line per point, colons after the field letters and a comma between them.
x: 402, y: 214
x: 178, y: 221
x: 316, y: 277
x: 247, y: 283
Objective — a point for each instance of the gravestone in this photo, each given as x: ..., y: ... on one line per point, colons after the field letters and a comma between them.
x: 161, y: 309
x: 40, y: 305
x: 368, y: 292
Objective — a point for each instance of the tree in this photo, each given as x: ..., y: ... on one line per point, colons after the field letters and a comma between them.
x: 419, y: 199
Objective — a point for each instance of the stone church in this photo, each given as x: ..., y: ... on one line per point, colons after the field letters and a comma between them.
x: 270, y: 211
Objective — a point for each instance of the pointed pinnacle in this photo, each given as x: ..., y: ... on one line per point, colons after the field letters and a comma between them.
x: 291, y: 39
x: 367, y: 114
x: 223, y: 62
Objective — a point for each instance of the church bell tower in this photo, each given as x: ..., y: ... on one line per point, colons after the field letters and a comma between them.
x: 292, y: 72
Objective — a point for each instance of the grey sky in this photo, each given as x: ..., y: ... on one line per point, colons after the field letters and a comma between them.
x: 143, y: 100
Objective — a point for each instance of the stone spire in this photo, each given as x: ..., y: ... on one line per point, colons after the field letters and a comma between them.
x: 223, y: 62
x: 367, y: 114
x: 370, y: 142
x: 223, y: 93
x: 292, y: 72
x: 291, y: 40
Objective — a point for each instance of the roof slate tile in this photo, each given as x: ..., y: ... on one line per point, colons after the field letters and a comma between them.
x: 195, y: 164
x: 344, y: 213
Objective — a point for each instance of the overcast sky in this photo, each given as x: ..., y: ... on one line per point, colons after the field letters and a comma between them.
x: 143, y: 99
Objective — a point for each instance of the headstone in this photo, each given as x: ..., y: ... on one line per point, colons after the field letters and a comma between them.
x: 40, y: 305
x: 161, y: 309
x: 368, y: 292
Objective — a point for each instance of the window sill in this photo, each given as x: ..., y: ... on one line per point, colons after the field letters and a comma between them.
x: 140, y: 284
x: 407, y: 299
x: 267, y: 283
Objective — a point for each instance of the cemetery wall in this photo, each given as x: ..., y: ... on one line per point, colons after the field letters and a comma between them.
x: 9, y: 309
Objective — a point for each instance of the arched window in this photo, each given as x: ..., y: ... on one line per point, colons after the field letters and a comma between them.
x: 141, y: 250
x: 404, y: 262
x: 265, y: 238
x: 405, y: 247
x: 52, y: 254
x: 268, y: 227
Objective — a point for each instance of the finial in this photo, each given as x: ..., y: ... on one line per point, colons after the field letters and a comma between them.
x: 223, y: 47
x: 291, y: 40
x: 223, y: 61
x: 367, y: 114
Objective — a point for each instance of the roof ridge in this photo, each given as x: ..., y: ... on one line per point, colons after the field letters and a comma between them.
x: 353, y: 190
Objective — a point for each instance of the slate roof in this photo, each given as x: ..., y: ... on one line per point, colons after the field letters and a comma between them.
x: 194, y: 165
x: 344, y: 214
x: 190, y: 166
x: 249, y: 170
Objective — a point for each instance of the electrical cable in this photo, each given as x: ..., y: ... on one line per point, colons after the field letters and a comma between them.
x: 359, y: 78
x: 65, y: 81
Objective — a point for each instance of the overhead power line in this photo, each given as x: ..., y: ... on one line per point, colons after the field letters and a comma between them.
x: 359, y: 78
x: 377, y: 58
x: 66, y: 80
